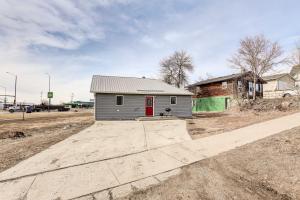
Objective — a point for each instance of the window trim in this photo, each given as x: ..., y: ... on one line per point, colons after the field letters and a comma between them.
x: 117, y: 100
x: 194, y: 102
x: 225, y: 85
x: 171, y: 100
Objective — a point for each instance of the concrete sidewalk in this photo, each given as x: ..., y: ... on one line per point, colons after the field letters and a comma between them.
x: 117, y: 176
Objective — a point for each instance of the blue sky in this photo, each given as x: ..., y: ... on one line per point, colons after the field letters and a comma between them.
x: 74, y: 39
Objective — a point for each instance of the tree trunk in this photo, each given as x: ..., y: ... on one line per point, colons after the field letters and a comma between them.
x: 179, y: 77
x: 254, y: 88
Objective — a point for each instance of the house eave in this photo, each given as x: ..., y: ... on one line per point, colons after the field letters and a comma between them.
x: 143, y: 93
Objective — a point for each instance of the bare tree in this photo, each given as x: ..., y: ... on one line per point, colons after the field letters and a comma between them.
x: 257, y: 55
x: 200, y: 78
x: 167, y: 70
x: 295, y: 60
x: 209, y: 76
x: 206, y: 77
x: 174, y: 68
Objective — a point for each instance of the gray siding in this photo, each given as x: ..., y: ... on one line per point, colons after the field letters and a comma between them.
x: 134, y: 106
x: 183, y: 108
x: 106, y: 107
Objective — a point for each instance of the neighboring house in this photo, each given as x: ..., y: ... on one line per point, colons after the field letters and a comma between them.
x: 216, y: 94
x: 80, y: 104
x: 129, y: 98
x: 295, y: 73
x: 278, y: 85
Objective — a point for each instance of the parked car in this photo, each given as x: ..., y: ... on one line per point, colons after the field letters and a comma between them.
x: 63, y: 109
x: 289, y: 93
x: 13, y: 109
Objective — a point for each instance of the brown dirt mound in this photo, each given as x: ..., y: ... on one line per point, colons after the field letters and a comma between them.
x: 265, y: 105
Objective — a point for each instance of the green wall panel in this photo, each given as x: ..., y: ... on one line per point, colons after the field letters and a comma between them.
x: 209, y: 104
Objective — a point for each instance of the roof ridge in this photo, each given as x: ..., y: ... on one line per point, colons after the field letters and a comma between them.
x: 219, y: 77
x: 278, y: 74
x: 127, y: 77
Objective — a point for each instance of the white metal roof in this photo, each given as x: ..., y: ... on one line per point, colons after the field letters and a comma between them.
x: 132, y: 85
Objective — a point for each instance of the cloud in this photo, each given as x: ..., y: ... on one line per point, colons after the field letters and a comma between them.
x: 74, y: 39
x: 57, y: 24
x: 30, y: 30
x: 151, y: 42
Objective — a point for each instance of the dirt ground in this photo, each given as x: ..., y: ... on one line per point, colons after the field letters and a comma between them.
x: 206, y: 124
x: 21, y: 139
x: 266, y: 169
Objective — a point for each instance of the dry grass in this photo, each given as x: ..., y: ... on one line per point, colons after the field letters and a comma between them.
x: 41, y: 130
x: 206, y: 124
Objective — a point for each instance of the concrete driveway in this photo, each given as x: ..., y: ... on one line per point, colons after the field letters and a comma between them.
x: 102, y: 141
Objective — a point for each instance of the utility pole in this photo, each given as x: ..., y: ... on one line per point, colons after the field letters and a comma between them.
x: 72, y: 97
x: 41, y: 97
x: 16, y: 79
x: 4, y: 106
x: 49, y: 92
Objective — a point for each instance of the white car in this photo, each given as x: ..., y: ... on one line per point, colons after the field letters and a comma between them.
x: 12, y: 109
x: 290, y: 93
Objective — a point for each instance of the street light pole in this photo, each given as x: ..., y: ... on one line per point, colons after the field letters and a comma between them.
x: 4, y: 96
x: 49, y: 92
x: 16, y: 79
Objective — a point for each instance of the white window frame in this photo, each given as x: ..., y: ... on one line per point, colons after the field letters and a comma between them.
x: 171, y: 101
x: 194, y: 102
x: 122, y: 100
x: 224, y: 85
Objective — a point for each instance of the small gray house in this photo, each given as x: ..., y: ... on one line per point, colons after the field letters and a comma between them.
x: 129, y: 98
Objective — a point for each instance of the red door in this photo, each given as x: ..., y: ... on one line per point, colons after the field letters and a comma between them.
x: 149, y: 106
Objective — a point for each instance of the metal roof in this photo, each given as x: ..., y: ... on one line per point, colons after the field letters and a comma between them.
x: 133, y: 85
x: 275, y: 76
x: 223, y: 78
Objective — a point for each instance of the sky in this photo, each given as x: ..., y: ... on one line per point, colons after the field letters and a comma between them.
x: 75, y: 39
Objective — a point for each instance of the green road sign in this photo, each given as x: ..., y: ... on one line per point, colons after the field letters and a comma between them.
x: 50, y: 95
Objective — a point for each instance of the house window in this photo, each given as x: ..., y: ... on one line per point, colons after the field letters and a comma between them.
x: 258, y: 87
x: 194, y: 102
x: 173, y: 100
x: 250, y: 87
x: 240, y: 86
x: 120, y: 100
x: 149, y: 102
x: 224, y: 85
x: 198, y: 89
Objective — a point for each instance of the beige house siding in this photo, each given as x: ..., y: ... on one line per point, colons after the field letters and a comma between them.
x: 286, y: 83
x: 297, y: 78
x: 270, y: 86
x: 274, y: 94
x: 277, y: 88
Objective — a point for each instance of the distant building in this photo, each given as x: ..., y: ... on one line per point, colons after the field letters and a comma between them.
x: 130, y: 97
x: 278, y: 85
x: 80, y: 104
x: 295, y: 73
x: 215, y: 94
